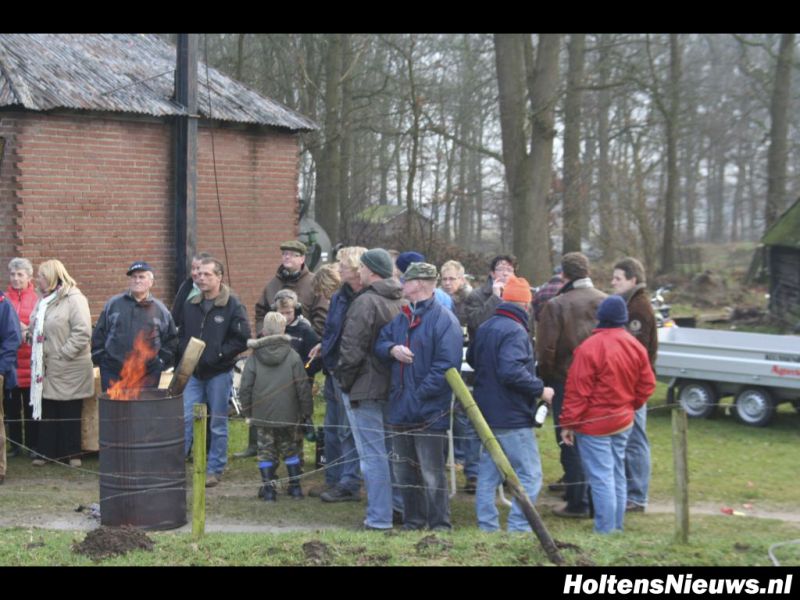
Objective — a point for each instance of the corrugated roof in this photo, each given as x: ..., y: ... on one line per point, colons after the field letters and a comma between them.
x: 129, y: 73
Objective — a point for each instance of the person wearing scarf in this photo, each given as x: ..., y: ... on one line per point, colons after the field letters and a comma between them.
x: 61, y: 363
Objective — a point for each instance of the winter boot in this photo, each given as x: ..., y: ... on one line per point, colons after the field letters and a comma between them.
x: 267, y: 491
x: 294, y: 471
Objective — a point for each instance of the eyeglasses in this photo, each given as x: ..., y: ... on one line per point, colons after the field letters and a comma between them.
x: 290, y: 253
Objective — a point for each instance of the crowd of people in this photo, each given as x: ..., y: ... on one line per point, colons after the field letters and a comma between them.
x: 384, y: 334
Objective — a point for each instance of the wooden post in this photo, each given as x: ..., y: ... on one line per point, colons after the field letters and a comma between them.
x: 199, y: 479
x: 498, y: 456
x: 679, y: 456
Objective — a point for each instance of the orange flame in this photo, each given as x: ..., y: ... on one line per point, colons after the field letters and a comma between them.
x: 133, y: 371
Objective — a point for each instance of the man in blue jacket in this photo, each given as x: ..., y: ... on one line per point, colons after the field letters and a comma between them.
x: 124, y: 317
x: 421, y: 344
x: 506, y: 390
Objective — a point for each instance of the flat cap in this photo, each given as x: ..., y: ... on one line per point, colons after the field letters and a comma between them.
x: 295, y: 246
x: 420, y: 270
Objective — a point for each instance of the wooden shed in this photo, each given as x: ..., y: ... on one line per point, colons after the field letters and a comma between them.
x: 87, y: 163
x: 782, y: 242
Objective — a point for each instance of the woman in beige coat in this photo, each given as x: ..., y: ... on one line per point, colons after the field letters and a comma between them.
x: 61, y: 363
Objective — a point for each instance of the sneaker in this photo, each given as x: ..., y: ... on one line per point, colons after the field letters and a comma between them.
x: 212, y: 480
x: 37, y: 462
x: 564, y: 512
x: 471, y: 486
x: 558, y: 487
x: 339, y: 494
x: 75, y: 462
x: 633, y: 507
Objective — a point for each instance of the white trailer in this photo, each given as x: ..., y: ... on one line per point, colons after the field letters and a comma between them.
x: 703, y: 365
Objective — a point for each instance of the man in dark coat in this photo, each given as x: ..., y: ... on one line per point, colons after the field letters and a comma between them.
x: 365, y: 380
x: 566, y: 320
x: 421, y: 344
x: 294, y: 275
x: 506, y: 390
x: 126, y: 316
x: 219, y: 319
x: 482, y: 302
x: 628, y: 281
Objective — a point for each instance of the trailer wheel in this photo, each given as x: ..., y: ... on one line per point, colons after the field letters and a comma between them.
x: 698, y: 399
x: 754, y: 406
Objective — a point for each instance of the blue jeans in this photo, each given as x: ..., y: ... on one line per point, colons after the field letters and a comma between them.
x: 522, y: 451
x: 215, y: 393
x: 603, y: 458
x: 367, y: 422
x: 421, y: 477
x: 637, y: 459
x: 466, y: 443
x: 576, y: 491
x: 341, y: 456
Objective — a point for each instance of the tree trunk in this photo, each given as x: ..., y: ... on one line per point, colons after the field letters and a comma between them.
x: 572, y: 146
x: 327, y: 197
x: 779, y: 119
x: 668, y: 241
x: 607, y: 232
x: 528, y: 176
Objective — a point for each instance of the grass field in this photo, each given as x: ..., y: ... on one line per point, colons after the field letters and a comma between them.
x: 730, y: 466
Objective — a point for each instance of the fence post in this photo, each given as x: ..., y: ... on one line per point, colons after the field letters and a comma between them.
x: 680, y: 461
x: 199, y: 479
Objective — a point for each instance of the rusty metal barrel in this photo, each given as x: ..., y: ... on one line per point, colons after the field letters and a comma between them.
x: 142, y: 464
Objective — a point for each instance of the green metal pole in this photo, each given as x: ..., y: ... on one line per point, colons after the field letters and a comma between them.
x: 498, y: 456
x: 199, y: 479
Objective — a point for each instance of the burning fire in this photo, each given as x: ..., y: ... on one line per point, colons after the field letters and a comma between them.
x: 133, y: 371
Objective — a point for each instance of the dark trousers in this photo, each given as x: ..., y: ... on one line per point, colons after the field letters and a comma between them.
x: 421, y: 476
x: 577, y: 491
x: 60, y: 429
x: 19, y: 419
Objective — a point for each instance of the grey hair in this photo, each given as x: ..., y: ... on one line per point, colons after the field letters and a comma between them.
x: 274, y: 323
x: 21, y: 264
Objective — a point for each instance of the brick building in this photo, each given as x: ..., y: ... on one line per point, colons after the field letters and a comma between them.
x: 86, y: 163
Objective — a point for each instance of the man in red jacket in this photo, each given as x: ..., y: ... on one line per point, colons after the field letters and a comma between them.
x: 609, y: 379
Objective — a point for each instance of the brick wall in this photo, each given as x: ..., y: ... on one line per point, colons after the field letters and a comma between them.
x: 8, y: 187
x: 97, y: 193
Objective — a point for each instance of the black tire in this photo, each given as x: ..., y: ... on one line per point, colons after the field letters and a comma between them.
x: 754, y: 406
x: 698, y: 399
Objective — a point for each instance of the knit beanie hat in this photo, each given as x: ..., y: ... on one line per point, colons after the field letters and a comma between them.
x: 406, y: 258
x: 612, y: 312
x: 379, y: 262
x: 517, y: 289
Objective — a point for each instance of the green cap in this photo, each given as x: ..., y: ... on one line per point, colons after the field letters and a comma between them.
x: 420, y: 270
x: 296, y: 246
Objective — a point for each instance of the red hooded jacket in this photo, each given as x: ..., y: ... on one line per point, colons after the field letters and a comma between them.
x: 23, y: 302
x: 610, y: 377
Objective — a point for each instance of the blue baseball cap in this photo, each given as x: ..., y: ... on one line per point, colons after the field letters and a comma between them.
x: 139, y: 265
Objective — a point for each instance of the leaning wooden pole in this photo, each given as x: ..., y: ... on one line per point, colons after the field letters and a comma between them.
x: 199, y: 478
x: 498, y: 456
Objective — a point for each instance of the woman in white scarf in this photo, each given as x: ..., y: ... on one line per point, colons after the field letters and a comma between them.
x: 61, y: 363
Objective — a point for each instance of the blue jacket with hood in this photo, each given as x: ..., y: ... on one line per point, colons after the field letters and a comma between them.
x: 419, y: 395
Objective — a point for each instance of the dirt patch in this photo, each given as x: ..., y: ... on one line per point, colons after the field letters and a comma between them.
x: 432, y: 544
x: 105, y: 542
x: 317, y: 553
